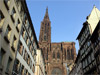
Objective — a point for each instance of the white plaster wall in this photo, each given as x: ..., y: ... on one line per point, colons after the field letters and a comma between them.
x: 94, y: 18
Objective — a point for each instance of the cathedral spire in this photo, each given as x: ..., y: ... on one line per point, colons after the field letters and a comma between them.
x: 47, y: 10
x: 45, y: 31
x: 46, y: 14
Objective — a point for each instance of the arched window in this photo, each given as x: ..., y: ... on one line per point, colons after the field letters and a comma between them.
x: 47, y: 54
x: 56, y: 71
x: 44, y: 37
x: 53, y: 54
x: 58, y: 55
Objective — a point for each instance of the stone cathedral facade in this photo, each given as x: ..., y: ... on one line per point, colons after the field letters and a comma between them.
x: 56, y: 55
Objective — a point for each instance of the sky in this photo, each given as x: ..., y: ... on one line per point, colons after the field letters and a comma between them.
x: 66, y: 16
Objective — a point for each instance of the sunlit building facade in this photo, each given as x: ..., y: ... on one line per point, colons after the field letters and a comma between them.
x: 18, y: 42
x: 40, y: 64
x: 27, y: 45
x: 10, y: 27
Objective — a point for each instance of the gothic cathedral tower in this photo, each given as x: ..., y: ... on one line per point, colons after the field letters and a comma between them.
x: 45, y: 31
x: 45, y: 37
x: 56, y: 55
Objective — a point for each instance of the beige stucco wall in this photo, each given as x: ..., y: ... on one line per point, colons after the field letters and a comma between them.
x: 39, y: 68
x: 3, y: 44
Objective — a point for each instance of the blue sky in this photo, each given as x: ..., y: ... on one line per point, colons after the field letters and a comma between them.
x: 66, y: 16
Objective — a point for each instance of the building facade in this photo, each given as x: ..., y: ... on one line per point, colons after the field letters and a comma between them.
x: 27, y: 45
x: 95, y: 39
x: 9, y: 35
x: 18, y: 42
x: 56, y: 55
x: 77, y: 67
x: 88, y: 59
x: 40, y: 64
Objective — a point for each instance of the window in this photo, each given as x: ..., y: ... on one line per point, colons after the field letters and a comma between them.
x: 31, y: 38
x: 25, y: 55
x: 8, y: 33
x: 20, y: 48
x: 27, y: 25
x: 30, y: 64
x: 45, y: 28
x: 7, y: 3
x: 88, y: 43
x: 44, y: 37
x: 14, y: 43
x: 32, y: 53
x: 8, y: 64
x: 18, y: 25
x: 25, y: 71
x: 16, y: 66
x: 99, y: 38
x: 30, y: 31
x: 89, y: 59
x: 47, y: 57
x: 83, y: 64
x: 27, y: 41
x: 18, y: 3
x: 21, y: 11
x: 72, y: 55
x: 33, y: 68
x: 92, y: 56
x: 28, y: 60
x: 13, y: 14
x: 23, y: 32
x: 58, y: 55
x: 30, y: 48
x: 26, y: 37
x: 22, y: 70
x: 2, y: 52
x: 86, y: 62
x: 53, y: 54
x: 1, y: 18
